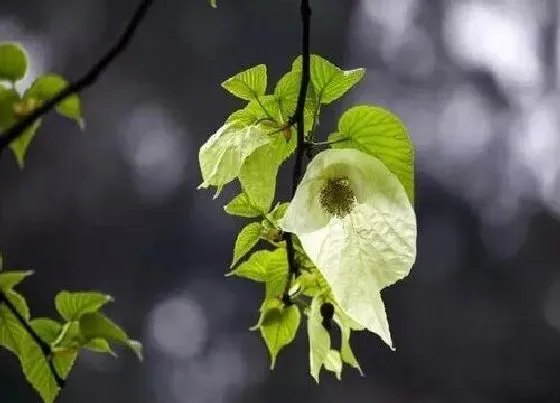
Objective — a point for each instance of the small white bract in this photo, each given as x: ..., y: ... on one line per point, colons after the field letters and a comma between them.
x: 358, y: 227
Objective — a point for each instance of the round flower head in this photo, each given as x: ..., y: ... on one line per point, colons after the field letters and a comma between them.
x: 357, y: 225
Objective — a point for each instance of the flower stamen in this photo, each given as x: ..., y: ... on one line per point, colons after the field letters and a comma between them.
x: 337, y: 197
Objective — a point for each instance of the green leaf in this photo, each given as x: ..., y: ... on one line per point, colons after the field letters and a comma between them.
x: 96, y: 325
x: 330, y: 82
x: 47, y: 329
x: 378, y: 132
x: 11, y: 330
x: 319, y: 338
x: 278, y: 328
x: 249, y: 84
x: 72, y: 305
x: 15, y: 338
x: 8, y: 99
x: 264, y: 111
x: 13, y: 61
x: 222, y: 156
x: 9, y: 279
x: 246, y: 240
x: 278, y: 212
x: 213, y: 3
x: 287, y: 93
x: 99, y: 345
x: 265, y: 266
x: 47, y: 87
x: 242, y: 206
x: 20, y: 145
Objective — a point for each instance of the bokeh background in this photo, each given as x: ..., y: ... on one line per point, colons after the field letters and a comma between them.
x: 115, y: 208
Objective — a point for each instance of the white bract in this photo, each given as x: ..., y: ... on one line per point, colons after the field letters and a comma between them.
x: 358, y: 227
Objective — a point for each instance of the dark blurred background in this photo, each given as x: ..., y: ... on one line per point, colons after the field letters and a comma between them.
x: 115, y: 208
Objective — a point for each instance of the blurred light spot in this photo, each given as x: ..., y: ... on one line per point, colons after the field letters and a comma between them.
x: 480, y: 34
x: 153, y: 147
x: 178, y: 327
x: 211, y: 379
x: 536, y: 145
x: 464, y: 127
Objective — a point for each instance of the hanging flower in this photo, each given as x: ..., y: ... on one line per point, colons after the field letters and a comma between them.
x: 356, y: 224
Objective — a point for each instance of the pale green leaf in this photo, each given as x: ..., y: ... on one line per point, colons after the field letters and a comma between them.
x: 246, y: 240
x: 370, y: 247
x: 255, y: 267
x: 278, y: 328
x: 13, y: 61
x: 9, y: 279
x: 378, y: 132
x: 346, y: 353
x: 242, y: 206
x: 319, y: 338
x: 72, y: 305
x: 46, y: 87
x: 330, y: 82
x: 333, y: 363
x: 249, y: 84
x: 213, y: 3
x: 11, y: 330
x: 96, y: 325
x: 222, y: 156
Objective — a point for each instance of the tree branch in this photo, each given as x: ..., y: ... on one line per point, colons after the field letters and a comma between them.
x: 83, y: 83
x: 45, y: 347
x: 299, y: 120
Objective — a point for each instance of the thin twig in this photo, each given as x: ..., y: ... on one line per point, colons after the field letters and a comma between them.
x: 83, y: 83
x: 299, y: 120
x: 45, y: 347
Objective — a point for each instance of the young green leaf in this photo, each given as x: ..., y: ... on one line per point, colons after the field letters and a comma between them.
x: 213, y: 3
x: 319, y: 338
x: 47, y: 329
x: 330, y: 82
x: 72, y: 305
x: 378, y: 132
x: 249, y: 84
x: 9, y: 279
x: 99, y: 345
x: 222, y: 156
x: 20, y: 145
x: 265, y: 266
x: 287, y: 94
x: 278, y: 328
x: 242, y: 206
x: 8, y: 99
x: 11, y: 330
x: 96, y: 325
x: 263, y: 111
x: 246, y: 240
x: 47, y: 87
x: 13, y: 61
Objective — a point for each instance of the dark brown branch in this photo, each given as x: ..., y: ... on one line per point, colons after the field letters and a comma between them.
x: 45, y: 347
x: 83, y: 83
x: 299, y: 120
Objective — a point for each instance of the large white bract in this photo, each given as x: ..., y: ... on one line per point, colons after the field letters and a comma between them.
x: 358, y: 227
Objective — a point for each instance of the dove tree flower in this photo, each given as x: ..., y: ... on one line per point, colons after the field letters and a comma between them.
x: 357, y: 225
